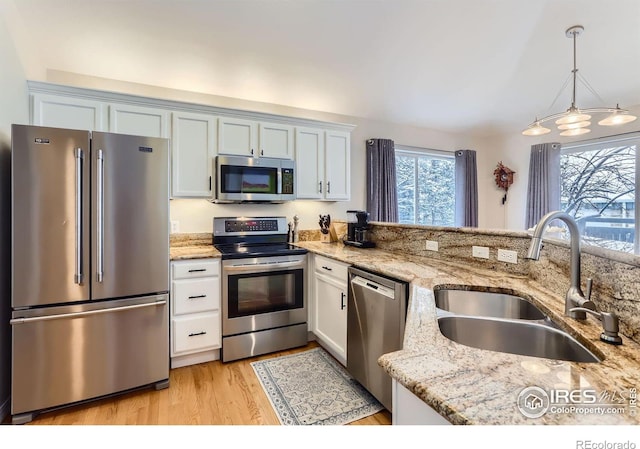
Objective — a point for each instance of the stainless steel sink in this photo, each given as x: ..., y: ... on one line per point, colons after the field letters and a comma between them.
x: 475, y: 303
x: 537, y: 339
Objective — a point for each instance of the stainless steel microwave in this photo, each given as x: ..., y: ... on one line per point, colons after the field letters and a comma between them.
x: 240, y: 179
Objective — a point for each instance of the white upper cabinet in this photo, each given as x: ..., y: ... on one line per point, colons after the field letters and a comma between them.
x: 138, y: 120
x: 309, y: 163
x: 193, y: 139
x: 236, y: 136
x: 323, y: 164
x: 68, y: 112
x: 240, y: 137
x: 276, y: 140
x: 337, y: 165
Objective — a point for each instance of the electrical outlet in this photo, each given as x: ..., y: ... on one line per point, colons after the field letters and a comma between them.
x: 505, y: 255
x: 431, y: 245
x: 175, y: 226
x: 480, y: 251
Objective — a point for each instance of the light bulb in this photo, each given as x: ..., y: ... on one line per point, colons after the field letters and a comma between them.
x: 575, y: 132
x: 536, y: 130
x: 574, y: 125
x: 573, y: 117
x: 617, y: 118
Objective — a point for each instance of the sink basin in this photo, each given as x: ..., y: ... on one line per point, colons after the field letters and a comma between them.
x: 515, y: 337
x: 475, y: 303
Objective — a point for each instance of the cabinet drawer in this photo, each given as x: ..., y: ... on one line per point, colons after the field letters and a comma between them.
x: 191, y: 269
x: 196, y: 295
x: 195, y: 334
x: 333, y: 268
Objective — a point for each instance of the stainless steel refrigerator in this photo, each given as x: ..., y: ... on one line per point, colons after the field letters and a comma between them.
x: 90, y: 266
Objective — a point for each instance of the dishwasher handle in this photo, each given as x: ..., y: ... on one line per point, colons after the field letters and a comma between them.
x: 373, y: 286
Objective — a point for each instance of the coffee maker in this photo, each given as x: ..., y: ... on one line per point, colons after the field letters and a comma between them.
x: 358, y: 229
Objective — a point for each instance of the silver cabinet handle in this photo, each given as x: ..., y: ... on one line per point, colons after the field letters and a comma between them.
x: 100, y: 217
x: 198, y: 333
x: 79, y: 230
x: 328, y: 186
x: 320, y: 190
x: 87, y: 313
x: 342, y: 304
x: 197, y: 270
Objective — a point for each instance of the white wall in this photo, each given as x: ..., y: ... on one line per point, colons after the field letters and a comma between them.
x: 14, y: 109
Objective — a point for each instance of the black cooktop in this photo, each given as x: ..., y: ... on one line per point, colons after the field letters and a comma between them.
x: 246, y: 250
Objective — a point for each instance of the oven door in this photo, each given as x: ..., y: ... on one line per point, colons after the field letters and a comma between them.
x: 263, y: 293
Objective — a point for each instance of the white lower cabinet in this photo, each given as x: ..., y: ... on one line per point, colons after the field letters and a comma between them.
x: 196, y: 335
x: 329, y: 317
x: 408, y: 409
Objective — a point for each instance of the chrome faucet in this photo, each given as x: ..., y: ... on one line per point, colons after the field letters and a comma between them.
x: 574, y: 297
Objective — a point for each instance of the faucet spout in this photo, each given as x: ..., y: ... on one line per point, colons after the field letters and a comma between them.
x: 574, y: 297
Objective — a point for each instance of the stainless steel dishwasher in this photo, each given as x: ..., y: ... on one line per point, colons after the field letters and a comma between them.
x: 376, y: 315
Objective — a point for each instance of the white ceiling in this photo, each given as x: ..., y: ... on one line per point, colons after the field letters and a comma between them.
x: 457, y: 65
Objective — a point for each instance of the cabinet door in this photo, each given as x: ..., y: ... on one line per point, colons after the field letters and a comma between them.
x: 310, y: 163
x: 192, y: 151
x: 138, y: 121
x: 331, y: 315
x: 337, y: 165
x: 236, y: 136
x: 276, y: 140
x: 64, y: 112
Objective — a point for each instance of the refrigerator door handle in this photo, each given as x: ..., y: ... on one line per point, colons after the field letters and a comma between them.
x: 87, y: 313
x: 79, y: 155
x: 100, y: 217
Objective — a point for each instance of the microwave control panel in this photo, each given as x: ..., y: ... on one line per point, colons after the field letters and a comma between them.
x: 287, y: 181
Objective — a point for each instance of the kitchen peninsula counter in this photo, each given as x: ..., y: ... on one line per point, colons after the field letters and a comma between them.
x: 473, y: 386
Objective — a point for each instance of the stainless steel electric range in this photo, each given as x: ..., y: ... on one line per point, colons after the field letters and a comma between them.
x: 264, y: 304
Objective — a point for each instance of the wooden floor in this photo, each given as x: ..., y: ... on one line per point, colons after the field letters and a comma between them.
x: 207, y: 393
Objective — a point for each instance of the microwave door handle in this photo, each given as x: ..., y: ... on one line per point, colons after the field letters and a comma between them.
x: 279, y: 182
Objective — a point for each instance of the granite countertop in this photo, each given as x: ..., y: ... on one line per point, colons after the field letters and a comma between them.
x: 192, y: 246
x: 474, y: 386
x: 193, y: 252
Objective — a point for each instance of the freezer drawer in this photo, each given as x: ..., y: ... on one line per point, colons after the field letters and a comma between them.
x: 74, y: 353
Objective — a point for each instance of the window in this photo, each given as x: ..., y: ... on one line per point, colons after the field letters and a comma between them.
x: 426, y: 186
x: 598, y: 188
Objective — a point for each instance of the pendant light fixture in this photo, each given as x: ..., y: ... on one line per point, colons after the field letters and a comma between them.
x: 575, y: 121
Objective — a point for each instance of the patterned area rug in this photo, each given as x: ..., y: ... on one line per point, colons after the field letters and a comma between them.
x: 311, y: 388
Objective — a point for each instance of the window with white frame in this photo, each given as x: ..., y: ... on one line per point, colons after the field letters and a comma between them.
x: 598, y: 188
x: 426, y: 186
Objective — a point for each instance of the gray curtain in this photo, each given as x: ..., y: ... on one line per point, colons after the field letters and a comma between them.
x: 466, y: 189
x: 543, y: 193
x: 382, y: 195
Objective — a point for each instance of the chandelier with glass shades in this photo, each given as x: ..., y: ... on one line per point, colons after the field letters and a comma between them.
x: 575, y: 121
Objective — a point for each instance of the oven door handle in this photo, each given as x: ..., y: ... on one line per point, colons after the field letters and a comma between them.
x: 257, y: 268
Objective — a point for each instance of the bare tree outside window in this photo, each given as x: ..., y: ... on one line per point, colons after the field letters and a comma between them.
x: 598, y: 189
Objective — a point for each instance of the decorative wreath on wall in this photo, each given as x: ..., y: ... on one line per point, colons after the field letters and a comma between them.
x: 504, y: 178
